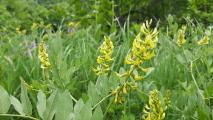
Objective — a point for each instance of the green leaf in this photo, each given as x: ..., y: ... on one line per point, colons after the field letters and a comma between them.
x: 98, y: 114
x: 93, y: 94
x: 64, y: 106
x: 78, y: 106
x: 41, y: 105
x: 4, y: 101
x: 26, y: 104
x: 17, y: 105
x: 86, y: 111
x: 50, y: 111
x: 102, y: 85
x: 181, y: 59
x: 82, y: 111
x: 150, y: 71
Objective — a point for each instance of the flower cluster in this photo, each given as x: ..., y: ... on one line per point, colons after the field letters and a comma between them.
x: 141, y: 51
x: 43, y: 56
x: 104, y: 59
x: 34, y: 26
x: 181, y: 37
x: 19, y: 31
x: 204, y: 41
x: 122, y: 90
x: 155, y: 110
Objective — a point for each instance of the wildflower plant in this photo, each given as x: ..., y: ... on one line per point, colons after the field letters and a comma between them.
x: 105, y: 57
x: 155, y: 109
x: 142, y: 51
x: 43, y: 56
x: 44, y: 59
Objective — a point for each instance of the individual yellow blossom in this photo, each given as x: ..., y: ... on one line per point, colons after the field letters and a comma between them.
x: 104, y: 58
x: 181, y: 37
x: 204, y: 41
x: 155, y: 109
x: 70, y: 24
x: 21, y: 31
x: 48, y: 26
x: 73, y: 24
x: 43, y: 56
x: 34, y: 26
x: 24, y: 32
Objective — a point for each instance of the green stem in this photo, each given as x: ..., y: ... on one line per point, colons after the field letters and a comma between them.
x: 191, y: 66
x: 21, y: 116
x: 108, y: 108
x: 73, y: 99
x: 101, y: 101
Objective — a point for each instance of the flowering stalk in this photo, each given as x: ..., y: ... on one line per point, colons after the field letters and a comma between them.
x: 181, y: 37
x: 104, y: 59
x: 155, y: 109
x: 204, y: 41
x: 142, y: 51
x: 44, y: 59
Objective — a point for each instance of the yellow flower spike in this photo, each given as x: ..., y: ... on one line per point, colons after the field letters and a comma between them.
x: 104, y: 58
x: 142, y: 50
x: 154, y: 110
x: 43, y: 56
x: 204, y: 41
x: 181, y: 37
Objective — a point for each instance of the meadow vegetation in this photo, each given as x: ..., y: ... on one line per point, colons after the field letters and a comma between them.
x: 101, y: 60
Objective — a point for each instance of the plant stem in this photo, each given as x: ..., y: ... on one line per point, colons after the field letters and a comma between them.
x: 101, y: 101
x: 73, y: 99
x: 21, y: 116
x: 191, y: 66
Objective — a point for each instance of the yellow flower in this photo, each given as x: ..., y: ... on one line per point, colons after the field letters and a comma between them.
x: 24, y: 32
x: 204, y: 41
x: 48, y: 26
x: 120, y: 91
x: 43, y: 56
x: 181, y: 37
x: 142, y: 50
x: 104, y: 58
x: 34, y: 26
x: 155, y: 109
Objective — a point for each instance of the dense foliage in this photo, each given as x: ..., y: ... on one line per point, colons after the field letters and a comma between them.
x: 106, y: 59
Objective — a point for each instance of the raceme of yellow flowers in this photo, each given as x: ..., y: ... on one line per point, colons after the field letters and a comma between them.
x: 104, y: 59
x: 142, y: 50
x: 181, y: 38
x: 155, y: 109
x: 204, y: 41
x: 43, y: 56
x: 122, y: 90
